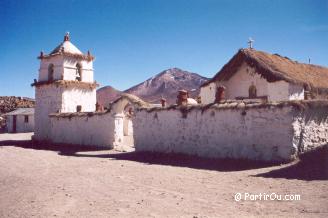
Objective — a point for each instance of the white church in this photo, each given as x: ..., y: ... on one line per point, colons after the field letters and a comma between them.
x: 65, y: 84
x: 252, y: 74
x: 275, y: 129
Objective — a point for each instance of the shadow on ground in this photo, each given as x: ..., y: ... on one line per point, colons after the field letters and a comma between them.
x: 171, y: 159
x: 61, y: 149
x: 310, y: 166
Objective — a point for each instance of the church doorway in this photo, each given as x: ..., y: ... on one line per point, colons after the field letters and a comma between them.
x: 123, y: 111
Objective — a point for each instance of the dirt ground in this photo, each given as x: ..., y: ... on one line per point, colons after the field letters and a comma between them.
x: 61, y: 181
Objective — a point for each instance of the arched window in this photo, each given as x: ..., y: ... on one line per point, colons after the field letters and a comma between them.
x: 78, y: 72
x: 50, y: 72
x: 252, y: 92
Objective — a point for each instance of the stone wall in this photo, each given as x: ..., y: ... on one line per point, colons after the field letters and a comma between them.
x: 270, y: 132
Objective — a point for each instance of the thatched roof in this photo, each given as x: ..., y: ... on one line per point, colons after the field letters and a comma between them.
x: 67, y: 83
x: 274, y: 67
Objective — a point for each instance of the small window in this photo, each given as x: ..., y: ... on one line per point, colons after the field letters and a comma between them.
x: 26, y: 118
x: 50, y: 72
x: 252, y: 92
x: 78, y: 108
x: 78, y: 72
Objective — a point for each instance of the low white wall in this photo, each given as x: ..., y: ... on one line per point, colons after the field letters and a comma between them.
x: 311, y: 128
x: 267, y: 134
x: 97, y: 129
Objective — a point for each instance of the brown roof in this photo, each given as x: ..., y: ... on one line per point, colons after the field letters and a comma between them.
x: 274, y: 67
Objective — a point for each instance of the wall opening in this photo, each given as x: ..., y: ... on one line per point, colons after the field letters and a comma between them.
x: 78, y: 108
x: 26, y: 119
x: 78, y: 75
x: 51, y: 72
x: 252, y: 91
x: 124, y: 114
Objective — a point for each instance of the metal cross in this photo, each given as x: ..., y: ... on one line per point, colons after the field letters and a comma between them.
x: 250, y: 42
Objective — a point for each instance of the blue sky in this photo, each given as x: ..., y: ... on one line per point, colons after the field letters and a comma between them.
x: 136, y: 39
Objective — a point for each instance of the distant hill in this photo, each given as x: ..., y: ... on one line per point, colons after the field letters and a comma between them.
x: 165, y: 84
x: 10, y: 103
x: 107, y: 94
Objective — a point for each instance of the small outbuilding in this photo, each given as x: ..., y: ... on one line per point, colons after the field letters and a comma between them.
x: 252, y: 74
x: 20, y: 120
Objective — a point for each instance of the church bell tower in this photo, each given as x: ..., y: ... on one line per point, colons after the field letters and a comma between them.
x: 65, y: 85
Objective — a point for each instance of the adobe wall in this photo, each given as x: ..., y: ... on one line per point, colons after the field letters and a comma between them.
x: 83, y: 129
x: 239, y: 83
x: 257, y: 132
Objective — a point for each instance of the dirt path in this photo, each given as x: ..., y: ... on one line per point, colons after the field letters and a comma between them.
x: 50, y: 183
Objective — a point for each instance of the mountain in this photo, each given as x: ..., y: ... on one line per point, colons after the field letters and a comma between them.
x: 167, y: 84
x: 107, y: 94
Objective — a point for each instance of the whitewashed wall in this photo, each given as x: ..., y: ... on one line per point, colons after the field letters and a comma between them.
x: 72, y: 97
x: 207, y: 93
x: 267, y: 134
x: 83, y: 129
x: 239, y: 83
x: 311, y: 128
x: 48, y: 99
x: 70, y: 69
x: 296, y: 92
x: 65, y: 69
x: 21, y: 126
x: 58, y: 62
x: 52, y: 99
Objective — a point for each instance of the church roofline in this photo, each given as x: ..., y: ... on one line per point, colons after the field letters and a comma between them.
x: 67, y: 83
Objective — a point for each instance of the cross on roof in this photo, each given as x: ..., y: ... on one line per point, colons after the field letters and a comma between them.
x: 250, y: 42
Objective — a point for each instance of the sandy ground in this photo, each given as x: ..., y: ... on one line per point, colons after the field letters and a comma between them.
x: 52, y: 181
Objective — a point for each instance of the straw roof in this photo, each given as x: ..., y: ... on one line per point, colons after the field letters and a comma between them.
x: 274, y: 67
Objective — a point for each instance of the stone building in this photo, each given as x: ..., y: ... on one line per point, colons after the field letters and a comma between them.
x: 20, y: 120
x: 252, y: 74
x: 65, y: 84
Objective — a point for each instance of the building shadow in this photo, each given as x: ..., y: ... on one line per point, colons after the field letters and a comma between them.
x: 182, y: 160
x: 171, y: 159
x: 312, y: 165
x: 62, y: 149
